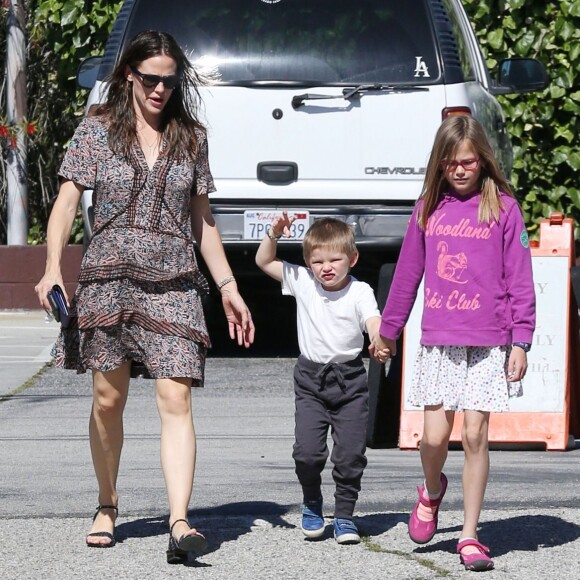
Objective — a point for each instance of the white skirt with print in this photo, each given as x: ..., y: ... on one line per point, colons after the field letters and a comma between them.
x: 463, y: 377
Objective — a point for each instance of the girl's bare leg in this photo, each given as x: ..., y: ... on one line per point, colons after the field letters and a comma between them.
x: 178, y: 447
x: 110, y: 391
x: 438, y: 424
x: 474, y: 436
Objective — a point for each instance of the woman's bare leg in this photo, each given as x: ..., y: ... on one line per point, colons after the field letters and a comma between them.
x: 178, y: 447
x: 110, y: 391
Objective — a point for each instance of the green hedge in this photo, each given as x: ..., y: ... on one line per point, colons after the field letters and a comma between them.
x: 61, y: 33
x: 543, y: 126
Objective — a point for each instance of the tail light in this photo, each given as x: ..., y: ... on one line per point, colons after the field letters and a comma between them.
x: 455, y: 111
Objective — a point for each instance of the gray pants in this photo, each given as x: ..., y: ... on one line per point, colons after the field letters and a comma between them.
x: 334, y: 395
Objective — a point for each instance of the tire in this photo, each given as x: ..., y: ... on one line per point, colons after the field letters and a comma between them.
x: 385, y: 388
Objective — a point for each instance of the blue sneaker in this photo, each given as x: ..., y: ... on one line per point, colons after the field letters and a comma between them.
x: 345, y: 532
x: 312, y: 520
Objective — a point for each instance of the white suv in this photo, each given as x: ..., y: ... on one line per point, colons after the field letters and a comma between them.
x: 327, y: 107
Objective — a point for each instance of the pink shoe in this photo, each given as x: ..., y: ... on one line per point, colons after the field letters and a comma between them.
x: 419, y: 531
x: 478, y: 562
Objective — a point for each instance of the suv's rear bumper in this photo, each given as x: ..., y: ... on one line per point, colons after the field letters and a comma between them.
x: 375, y: 225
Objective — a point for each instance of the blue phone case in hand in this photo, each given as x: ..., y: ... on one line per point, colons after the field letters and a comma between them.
x: 58, y: 304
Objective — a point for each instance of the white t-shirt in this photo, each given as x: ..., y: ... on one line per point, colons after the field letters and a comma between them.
x: 330, y: 324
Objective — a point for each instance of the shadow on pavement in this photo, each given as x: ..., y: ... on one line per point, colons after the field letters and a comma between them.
x: 377, y: 524
x: 235, y: 520
x: 522, y: 533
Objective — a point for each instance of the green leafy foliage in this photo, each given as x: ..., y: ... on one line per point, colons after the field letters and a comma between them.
x: 543, y: 126
x: 60, y: 34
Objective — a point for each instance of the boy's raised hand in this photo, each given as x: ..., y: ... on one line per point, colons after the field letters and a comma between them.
x: 281, y: 225
x: 266, y: 255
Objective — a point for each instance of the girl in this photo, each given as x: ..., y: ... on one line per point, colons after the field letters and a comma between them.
x: 467, y: 237
x: 144, y: 154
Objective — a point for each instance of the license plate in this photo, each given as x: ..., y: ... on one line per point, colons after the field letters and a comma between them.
x: 256, y: 224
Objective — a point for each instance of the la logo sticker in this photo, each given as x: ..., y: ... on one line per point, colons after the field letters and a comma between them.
x: 420, y: 67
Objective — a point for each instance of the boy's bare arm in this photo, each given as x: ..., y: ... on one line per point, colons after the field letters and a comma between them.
x: 267, y: 261
x: 266, y: 255
x: 373, y: 325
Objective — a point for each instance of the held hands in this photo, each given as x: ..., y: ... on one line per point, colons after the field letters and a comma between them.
x: 517, y: 364
x: 281, y: 225
x: 381, y: 348
x: 240, y: 323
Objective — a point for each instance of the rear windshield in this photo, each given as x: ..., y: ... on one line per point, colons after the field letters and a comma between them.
x: 300, y: 41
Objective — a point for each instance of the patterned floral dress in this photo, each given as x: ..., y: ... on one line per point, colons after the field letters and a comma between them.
x: 139, y: 288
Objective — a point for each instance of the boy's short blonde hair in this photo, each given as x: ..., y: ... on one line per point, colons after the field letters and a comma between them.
x: 329, y: 233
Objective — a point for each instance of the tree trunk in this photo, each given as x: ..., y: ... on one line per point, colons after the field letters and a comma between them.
x: 17, y: 202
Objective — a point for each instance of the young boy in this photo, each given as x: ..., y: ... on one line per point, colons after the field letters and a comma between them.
x: 330, y: 382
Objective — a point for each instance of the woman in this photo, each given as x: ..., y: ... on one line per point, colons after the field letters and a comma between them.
x: 145, y: 155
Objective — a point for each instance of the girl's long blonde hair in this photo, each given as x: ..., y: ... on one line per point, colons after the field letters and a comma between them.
x: 451, y: 134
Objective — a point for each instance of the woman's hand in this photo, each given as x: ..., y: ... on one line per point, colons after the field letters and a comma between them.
x: 240, y: 323
x: 57, y: 234
x: 45, y: 286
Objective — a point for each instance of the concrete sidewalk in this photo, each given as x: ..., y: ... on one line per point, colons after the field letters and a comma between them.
x: 26, y: 339
x: 246, y: 498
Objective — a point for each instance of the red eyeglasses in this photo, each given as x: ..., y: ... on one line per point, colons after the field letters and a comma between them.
x: 467, y: 164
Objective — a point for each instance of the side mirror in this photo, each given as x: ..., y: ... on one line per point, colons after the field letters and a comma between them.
x: 521, y: 75
x: 88, y: 72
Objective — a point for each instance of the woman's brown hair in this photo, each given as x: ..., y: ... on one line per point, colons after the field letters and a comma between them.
x: 180, y: 115
x: 452, y: 132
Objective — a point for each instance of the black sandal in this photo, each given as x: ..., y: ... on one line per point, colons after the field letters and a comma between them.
x: 103, y: 534
x: 178, y: 549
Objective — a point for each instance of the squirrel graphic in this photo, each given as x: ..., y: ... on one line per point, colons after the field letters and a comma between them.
x: 450, y: 267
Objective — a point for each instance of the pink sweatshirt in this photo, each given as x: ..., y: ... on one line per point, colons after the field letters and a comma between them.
x: 479, y: 289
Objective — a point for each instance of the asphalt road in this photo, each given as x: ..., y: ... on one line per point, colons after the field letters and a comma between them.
x: 246, y: 498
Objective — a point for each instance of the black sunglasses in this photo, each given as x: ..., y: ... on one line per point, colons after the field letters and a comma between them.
x: 150, y: 81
